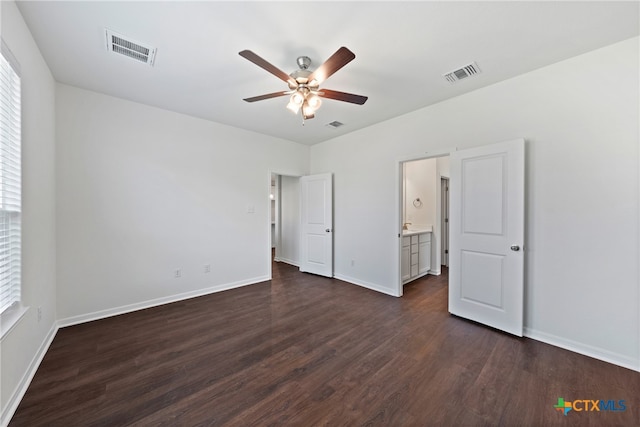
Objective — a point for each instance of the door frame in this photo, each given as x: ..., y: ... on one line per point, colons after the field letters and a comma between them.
x: 444, y: 225
x: 400, y: 208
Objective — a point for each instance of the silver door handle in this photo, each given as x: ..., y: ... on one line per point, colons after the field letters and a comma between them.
x: 328, y: 230
x: 515, y: 248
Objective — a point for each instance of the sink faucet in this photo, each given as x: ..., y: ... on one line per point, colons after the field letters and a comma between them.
x: 406, y: 225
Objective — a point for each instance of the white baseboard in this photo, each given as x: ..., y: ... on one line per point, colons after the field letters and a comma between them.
x: 364, y: 284
x: 584, y: 349
x: 97, y: 315
x: 23, y: 385
x: 287, y: 261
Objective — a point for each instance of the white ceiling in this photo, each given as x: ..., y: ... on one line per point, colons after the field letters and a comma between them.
x: 402, y: 49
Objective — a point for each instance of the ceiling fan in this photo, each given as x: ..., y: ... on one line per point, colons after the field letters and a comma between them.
x: 304, y: 85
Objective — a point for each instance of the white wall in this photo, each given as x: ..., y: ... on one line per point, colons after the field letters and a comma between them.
x: 22, y: 347
x: 443, y: 166
x: 580, y: 120
x: 142, y: 192
x: 290, y: 219
x: 420, y: 183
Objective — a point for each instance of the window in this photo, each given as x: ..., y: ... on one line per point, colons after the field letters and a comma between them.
x: 10, y: 182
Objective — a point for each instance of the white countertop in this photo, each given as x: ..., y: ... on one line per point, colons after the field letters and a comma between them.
x: 417, y: 231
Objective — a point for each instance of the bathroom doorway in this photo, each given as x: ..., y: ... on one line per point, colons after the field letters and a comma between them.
x: 422, y: 216
x: 486, y: 260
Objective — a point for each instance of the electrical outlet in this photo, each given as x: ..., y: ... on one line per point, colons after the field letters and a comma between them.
x: 178, y: 273
x: 39, y: 314
x: 207, y: 268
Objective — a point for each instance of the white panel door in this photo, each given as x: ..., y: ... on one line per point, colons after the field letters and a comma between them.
x: 486, y: 257
x: 316, y: 213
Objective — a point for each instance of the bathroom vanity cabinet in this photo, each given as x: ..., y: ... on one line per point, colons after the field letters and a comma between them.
x: 416, y: 255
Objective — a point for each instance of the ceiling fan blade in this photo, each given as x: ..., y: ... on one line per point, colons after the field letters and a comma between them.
x: 267, y: 96
x: 247, y: 54
x: 338, y: 60
x: 342, y: 96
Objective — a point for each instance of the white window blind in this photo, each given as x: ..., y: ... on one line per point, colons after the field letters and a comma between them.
x: 10, y: 183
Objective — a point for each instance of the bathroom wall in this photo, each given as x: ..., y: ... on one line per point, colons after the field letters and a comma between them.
x: 420, y: 183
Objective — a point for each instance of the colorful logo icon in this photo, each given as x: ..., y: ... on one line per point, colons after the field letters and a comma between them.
x: 563, y: 406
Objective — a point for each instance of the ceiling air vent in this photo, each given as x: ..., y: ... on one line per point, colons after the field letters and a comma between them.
x: 335, y: 124
x: 123, y: 45
x: 462, y: 73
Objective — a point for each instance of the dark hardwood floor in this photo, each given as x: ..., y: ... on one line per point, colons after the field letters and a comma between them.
x: 303, y: 350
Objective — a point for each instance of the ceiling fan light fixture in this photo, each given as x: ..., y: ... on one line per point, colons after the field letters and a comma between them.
x: 296, y: 101
x: 293, y: 107
x: 297, y: 98
x: 307, y: 110
x: 314, y: 101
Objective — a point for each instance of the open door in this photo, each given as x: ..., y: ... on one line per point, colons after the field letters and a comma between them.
x: 486, y: 257
x: 316, y: 234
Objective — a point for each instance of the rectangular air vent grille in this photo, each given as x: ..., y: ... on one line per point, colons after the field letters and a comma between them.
x: 462, y: 73
x: 123, y: 45
x: 335, y: 124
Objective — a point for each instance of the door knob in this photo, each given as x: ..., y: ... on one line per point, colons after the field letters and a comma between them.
x: 328, y: 230
x: 515, y: 248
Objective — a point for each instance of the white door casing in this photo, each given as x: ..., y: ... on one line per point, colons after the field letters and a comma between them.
x: 444, y: 226
x: 316, y: 234
x: 486, y: 257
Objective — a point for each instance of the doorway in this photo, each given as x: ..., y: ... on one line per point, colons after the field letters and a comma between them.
x: 284, y: 219
x: 421, y: 214
x: 486, y: 235
x: 301, y: 222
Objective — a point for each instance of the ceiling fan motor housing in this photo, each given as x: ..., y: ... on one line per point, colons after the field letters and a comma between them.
x: 302, y: 78
x: 303, y: 62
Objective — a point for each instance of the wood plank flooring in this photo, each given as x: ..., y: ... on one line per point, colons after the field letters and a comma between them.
x: 304, y: 350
